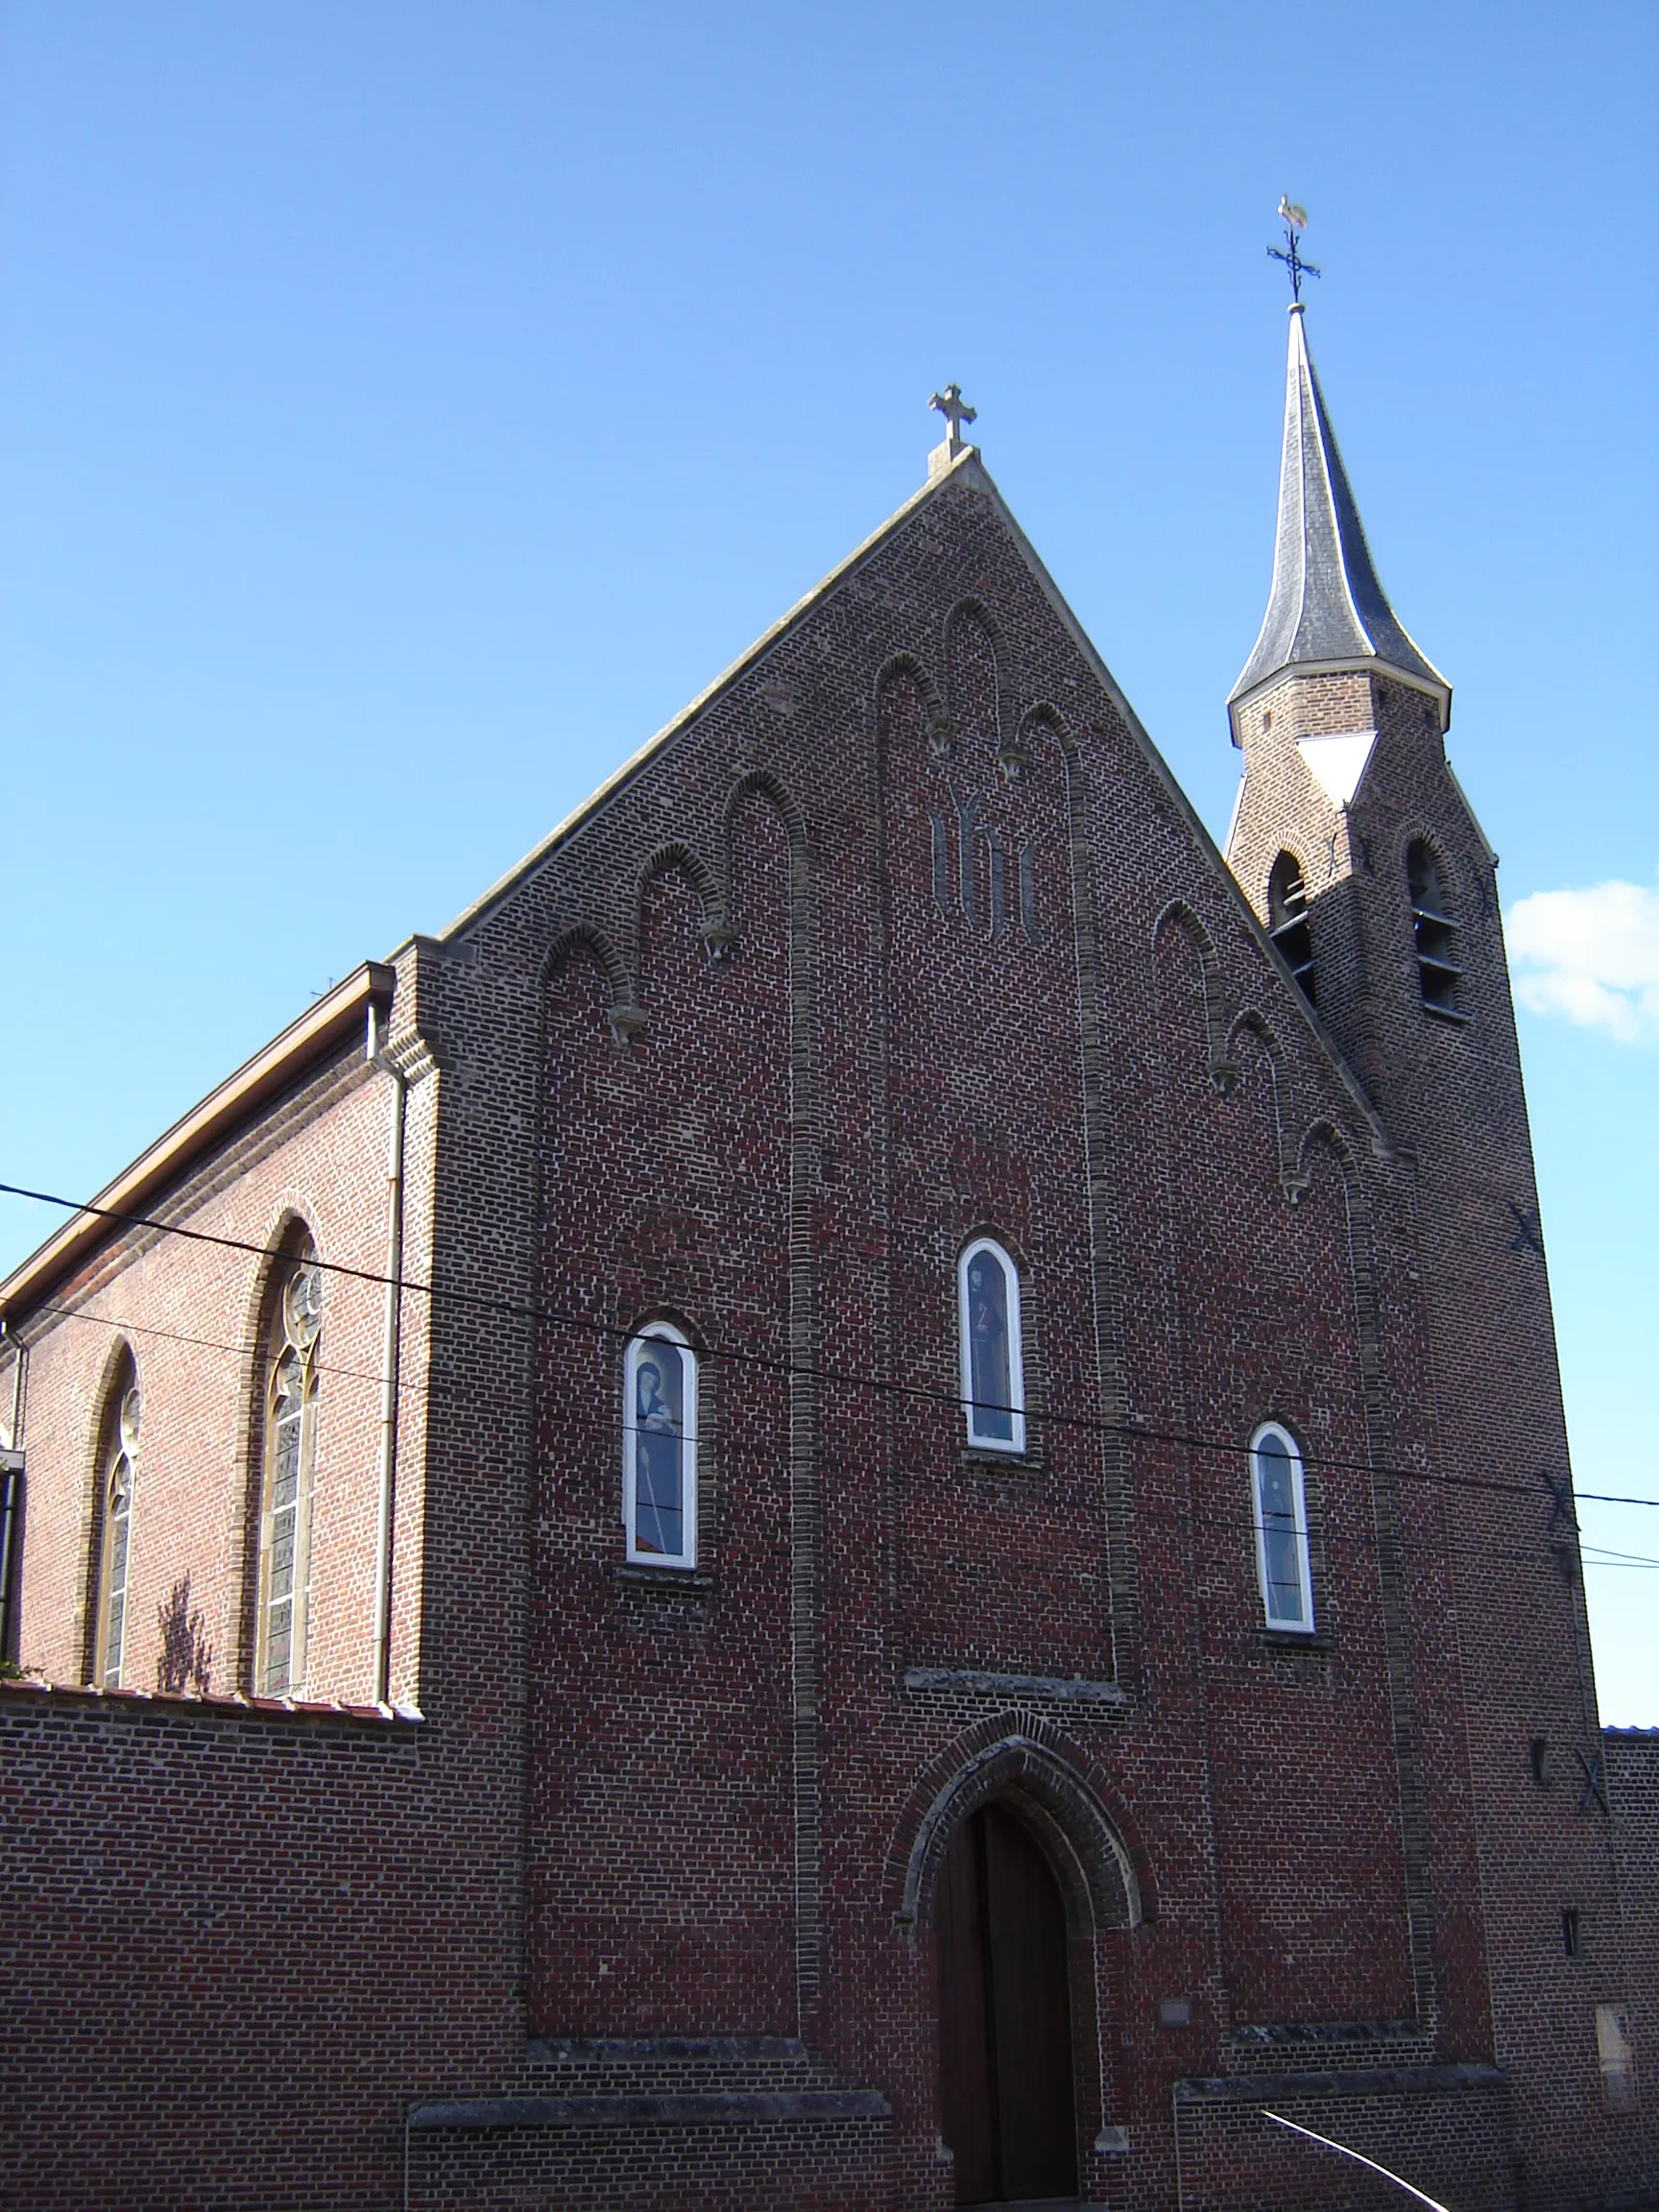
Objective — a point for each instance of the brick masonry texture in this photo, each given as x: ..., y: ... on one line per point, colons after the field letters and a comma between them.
x: 903, y: 935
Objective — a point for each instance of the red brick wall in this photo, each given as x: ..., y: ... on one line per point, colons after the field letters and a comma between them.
x: 661, y: 1844
x: 641, y: 1810
x: 1632, y: 1772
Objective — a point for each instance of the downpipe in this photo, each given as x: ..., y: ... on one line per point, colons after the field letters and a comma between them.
x: 391, y: 1358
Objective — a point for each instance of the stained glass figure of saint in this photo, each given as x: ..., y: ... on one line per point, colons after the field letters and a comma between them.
x: 1281, y: 1534
x: 990, y: 1321
x: 660, y: 1450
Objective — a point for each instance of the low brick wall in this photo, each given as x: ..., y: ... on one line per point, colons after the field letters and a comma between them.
x: 220, y: 1983
x: 1445, y: 2130
x: 654, y: 2162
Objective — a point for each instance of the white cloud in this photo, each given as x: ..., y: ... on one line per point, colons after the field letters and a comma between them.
x: 1592, y: 955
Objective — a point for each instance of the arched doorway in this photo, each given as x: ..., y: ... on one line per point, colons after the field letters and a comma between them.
x: 1004, y: 2016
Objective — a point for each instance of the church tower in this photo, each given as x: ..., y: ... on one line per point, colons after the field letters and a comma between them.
x: 1363, y: 860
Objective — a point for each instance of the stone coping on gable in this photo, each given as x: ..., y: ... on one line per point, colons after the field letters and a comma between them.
x: 1064, y: 1690
x: 630, y: 2050
x: 704, y: 2108
x: 1324, y: 2031
x: 1371, y: 2081
x: 193, y: 1702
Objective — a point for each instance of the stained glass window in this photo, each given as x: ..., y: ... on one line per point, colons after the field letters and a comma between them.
x: 290, y: 1447
x: 659, y: 1447
x: 117, y: 1536
x: 1281, y: 1517
x: 993, y: 1376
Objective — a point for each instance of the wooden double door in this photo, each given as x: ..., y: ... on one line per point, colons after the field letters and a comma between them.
x: 1004, y: 2016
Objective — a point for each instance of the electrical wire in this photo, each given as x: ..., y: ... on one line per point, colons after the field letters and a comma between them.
x: 1327, y: 1535
x: 1132, y: 1432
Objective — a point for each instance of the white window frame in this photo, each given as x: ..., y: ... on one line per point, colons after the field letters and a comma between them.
x: 655, y: 1334
x: 1015, y: 1441
x: 1257, y: 1518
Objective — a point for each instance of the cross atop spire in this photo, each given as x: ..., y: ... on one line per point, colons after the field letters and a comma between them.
x: 956, y: 410
x: 1295, y: 219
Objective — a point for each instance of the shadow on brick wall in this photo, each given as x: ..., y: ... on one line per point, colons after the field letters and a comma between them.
x: 186, y: 1660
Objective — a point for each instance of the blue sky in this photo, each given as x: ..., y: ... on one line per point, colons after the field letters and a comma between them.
x: 408, y: 406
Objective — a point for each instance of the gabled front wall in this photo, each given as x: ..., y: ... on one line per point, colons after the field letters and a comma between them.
x: 761, y: 1057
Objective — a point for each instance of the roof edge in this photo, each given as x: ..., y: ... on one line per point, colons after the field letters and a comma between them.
x: 320, y: 1026
x: 471, y: 916
x: 1381, y: 1143
x: 1346, y: 665
x: 1474, y: 818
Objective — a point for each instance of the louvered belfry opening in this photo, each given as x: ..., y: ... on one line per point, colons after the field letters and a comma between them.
x: 1439, y: 967
x: 1288, y: 921
x: 1004, y: 2016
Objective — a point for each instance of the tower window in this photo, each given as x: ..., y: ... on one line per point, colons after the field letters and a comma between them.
x: 993, y: 1369
x: 1288, y: 921
x: 659, y: 1447
x: 1439, y: 965
x: 1570, y: 1931
x: 1280, y: 1512
x: 1617, y: 2061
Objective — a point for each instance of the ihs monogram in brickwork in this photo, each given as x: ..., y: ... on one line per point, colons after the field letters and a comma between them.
x: 964, y: 894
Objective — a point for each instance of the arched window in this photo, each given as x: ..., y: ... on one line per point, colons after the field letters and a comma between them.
x: 120, y: 1458
x: 988, y: 1326
x: 293, y: 1337
x: 1280, y: 1512
x: 659, y: 1447
x: 1287, y: 919
x: 1438, y: 965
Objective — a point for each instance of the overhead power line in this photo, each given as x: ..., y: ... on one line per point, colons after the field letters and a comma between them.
x: 1328, y: 1536
x: 479, y: 1301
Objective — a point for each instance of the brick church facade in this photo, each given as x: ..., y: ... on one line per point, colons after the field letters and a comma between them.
x: 862, y: 1502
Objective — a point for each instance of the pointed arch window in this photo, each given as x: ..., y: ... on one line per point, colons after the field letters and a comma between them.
x: 1439, y: 957
x: 1279, y: 1506
x: 659, y: 1447
x: 1287, y: 921
x: 988, y: 1332
x: 293, y: 1340
x: 115, y: 1555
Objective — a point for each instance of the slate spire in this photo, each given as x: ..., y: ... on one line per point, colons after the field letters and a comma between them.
x: 1326, y: 609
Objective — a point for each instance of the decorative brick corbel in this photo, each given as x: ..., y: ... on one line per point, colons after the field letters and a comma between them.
x: 626, y: 1022
x: 414, y: 1055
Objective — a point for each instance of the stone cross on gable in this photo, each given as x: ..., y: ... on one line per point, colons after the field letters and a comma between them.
x: 952, y: 405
